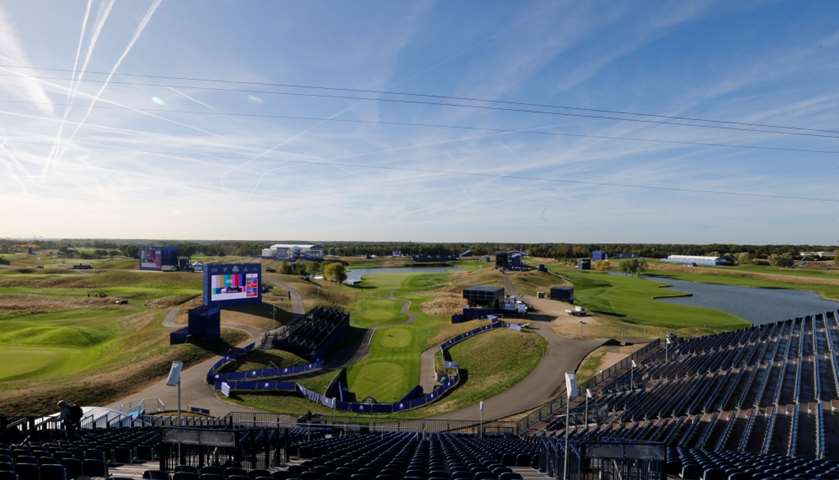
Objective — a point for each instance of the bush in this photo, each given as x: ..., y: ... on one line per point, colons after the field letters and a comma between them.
x: 634, y: 266
x: 335, y: 272
x: 744, y: 258
x: 781, y: 260
x: 4, y: 261
x: 602, y: 265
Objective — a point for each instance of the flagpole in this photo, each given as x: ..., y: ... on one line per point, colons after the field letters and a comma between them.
x: 481, y: 408
x: 585, y: 416
x: 570, y: 392
x: 567, y: 428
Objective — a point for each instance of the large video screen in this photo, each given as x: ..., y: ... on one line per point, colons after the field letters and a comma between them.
x: 234, y: 286
x: 229, y: 284
x: 151, y: 258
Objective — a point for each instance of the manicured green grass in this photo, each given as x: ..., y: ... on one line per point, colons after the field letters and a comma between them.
x: 53, y: 336
x: 392, y: 367
x: 633, y: 299
x: 494, y: 361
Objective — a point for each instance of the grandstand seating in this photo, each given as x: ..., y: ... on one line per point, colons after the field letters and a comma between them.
x: 414, y: 456
x: 409, y: 455
x: 311, y: 335
x: 751, y: 404
x: 88, y: 454
x: 768, y: 390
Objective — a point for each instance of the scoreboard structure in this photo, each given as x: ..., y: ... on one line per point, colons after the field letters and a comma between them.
x: 225, y: 285
x: 232, y: 284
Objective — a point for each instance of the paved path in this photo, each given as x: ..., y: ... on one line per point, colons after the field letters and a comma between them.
x: 543, y: 383
x: 194, y: 388
x: 297, y: 306
x: 428, y: 372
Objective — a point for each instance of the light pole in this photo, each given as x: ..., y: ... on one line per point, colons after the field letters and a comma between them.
x: 632, y: 375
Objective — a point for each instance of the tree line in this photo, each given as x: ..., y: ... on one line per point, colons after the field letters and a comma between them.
x: 250, y: 248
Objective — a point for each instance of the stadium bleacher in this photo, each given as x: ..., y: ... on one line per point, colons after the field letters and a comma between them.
x: 758, y: 396
x: 311, y: 335
x: 751, y: 404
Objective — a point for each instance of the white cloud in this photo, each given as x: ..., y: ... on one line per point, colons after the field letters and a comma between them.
x: 12, y: 52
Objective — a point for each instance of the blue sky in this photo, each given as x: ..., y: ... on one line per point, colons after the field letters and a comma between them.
x: 139, y: 157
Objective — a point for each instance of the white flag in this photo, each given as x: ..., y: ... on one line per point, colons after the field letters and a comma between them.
x: 481, y: 406
x: 667, y: 340
x: 633, y: 363
x: 571, y: 385
x: 588, y: 393
x: 175, y: 374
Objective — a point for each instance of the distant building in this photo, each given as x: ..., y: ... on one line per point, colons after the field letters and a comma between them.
x: 584, y: 264
x: 291, y: 251
x: 396, y: 253
x: 697, y: 260
x: 434, y: 257
x: 563, y: 294
x: 624, y: 255
x: 510, y: 260
x: 484, y: 296
x: 816, y: 255
x: 598, y: 255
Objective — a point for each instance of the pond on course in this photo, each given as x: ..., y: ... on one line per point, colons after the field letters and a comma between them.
x: 756, y: 305
x: 357, y: 274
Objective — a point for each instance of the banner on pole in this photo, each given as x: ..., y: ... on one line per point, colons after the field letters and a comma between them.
x: 225, y: 389
x: 175, y: 374
x: 571, y: 385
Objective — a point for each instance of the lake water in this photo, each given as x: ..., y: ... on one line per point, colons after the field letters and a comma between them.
x: 756, y: 305
x: 356, y: 274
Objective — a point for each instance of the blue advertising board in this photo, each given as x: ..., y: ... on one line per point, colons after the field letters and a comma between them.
x: 232, y: 284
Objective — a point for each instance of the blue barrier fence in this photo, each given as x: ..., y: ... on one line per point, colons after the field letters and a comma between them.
x: 413, y: 399
x: 215, y: 376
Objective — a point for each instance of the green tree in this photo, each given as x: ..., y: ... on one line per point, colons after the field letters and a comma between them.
x: 781, y: 260
x: 744, y: 258
x: 634, y: 266
x: 4, y: 261
x: 335, y: 272
x: 836, y: 258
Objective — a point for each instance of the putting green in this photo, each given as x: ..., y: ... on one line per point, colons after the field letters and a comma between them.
x: 23, y: 362
x: 380, y: 380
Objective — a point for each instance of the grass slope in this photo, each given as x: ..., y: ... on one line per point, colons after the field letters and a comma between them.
x: 633, y: 299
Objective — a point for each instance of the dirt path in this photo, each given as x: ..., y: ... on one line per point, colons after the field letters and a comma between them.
x: 171, y: 317
x: 406, y: 310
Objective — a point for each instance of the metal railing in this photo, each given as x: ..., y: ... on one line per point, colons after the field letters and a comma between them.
x: 372, y: 424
